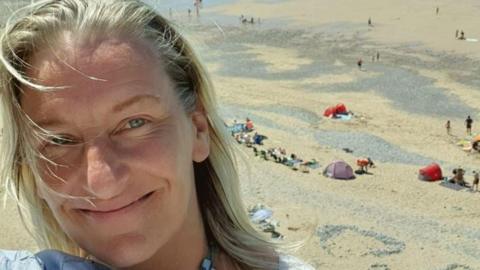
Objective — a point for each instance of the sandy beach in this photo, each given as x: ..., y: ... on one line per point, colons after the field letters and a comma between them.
x: 285, y: 71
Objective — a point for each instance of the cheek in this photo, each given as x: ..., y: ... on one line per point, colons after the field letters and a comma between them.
x: 166, y: 162
x: 58, y: 177
x: 169, y: 155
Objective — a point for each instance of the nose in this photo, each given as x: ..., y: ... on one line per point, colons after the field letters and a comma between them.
x: 106, y: 174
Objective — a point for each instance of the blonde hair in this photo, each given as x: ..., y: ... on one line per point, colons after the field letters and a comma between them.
x: 216, y: 178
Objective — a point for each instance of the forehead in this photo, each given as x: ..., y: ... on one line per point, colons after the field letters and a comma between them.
x: 96, y: 60
x: 98, y: 74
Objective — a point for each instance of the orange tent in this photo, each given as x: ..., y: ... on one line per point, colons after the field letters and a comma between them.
x: 476, y: 143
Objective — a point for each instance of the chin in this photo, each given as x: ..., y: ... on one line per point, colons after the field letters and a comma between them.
x: 127, y: 252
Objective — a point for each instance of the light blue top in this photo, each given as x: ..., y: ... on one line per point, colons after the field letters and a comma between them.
x: 56, y: 260
x: 45, y: 260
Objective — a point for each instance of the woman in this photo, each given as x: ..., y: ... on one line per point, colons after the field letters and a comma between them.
x: 113, y: 147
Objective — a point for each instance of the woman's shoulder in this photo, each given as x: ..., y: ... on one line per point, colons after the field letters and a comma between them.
x: 288, y: 262
x: 19, y: 259
x: 45, y: 260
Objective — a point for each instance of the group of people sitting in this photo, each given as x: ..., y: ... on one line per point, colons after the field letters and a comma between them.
x: 245, y: 20
x: 279, y: 155
x: 459, y: 179
x: 242, y: 133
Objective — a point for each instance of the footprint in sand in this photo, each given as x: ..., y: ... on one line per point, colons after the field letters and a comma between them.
x: 455, y: 266
x: 346, y: 241
x: 378, y: 266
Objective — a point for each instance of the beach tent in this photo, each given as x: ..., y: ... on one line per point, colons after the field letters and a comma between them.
x: 432, y: 172
x: 340, y: 108
x: 476, y: 143
x: 339, y: 170
x: 330, y: 111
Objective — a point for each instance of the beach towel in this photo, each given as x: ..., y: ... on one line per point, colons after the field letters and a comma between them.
x: 236, y: 128
x: 344, y: 117
x: 261, y: 215
x: 447, y: 184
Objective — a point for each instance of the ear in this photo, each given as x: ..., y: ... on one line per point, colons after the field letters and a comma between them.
x: 201, y: 143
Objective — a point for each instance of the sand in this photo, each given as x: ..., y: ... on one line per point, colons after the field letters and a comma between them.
x: 284, y: 72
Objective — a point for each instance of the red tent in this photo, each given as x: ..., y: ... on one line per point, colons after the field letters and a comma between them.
x: 340, y: 108
x: 432, y: 172
x: 330, y: 111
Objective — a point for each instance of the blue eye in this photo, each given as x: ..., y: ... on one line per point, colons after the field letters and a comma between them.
x: 136, y: 123
x: 60, y: 140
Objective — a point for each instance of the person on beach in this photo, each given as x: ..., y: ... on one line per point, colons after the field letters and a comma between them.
x: 370, y: 21
x: 468, y: 124
x: 462, y: 35
x: 476, y: 180
x: 196, y: 4
x: 458, y: 178
x: 456, y: 34
x: 249, y: 125
x: 448, y: 127
x: 437, y: 10
x: 378, y: 56
x: 359, y: 63
x: 114, y: 151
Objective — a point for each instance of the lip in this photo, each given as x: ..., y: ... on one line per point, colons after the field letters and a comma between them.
x: 109, y: 212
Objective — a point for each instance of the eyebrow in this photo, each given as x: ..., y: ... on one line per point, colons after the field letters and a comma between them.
x: 115, y: 109
x: 133, y: 100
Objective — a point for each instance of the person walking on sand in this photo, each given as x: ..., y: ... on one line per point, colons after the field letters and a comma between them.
x: 196, y: 3
x: 476, y: 180
x: 437, y: 10
x: 448, y: 127
x: 370, y: 21
x: 468, y: 124
x: 456, y: 34
x: 378, y: 56
x: 359, y: 63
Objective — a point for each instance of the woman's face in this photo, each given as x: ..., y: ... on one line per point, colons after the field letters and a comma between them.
x: 123, y: 140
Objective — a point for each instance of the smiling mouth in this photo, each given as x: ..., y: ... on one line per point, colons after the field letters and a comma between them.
x: 140, y: 200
